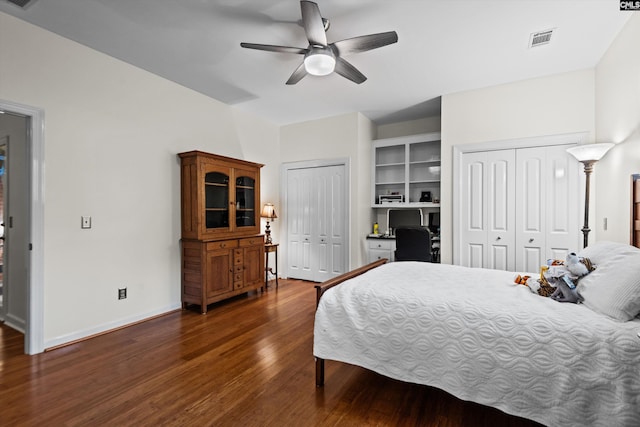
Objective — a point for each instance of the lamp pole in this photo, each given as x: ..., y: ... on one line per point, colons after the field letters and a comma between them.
x: 588, y: 168
x: 588, y: 154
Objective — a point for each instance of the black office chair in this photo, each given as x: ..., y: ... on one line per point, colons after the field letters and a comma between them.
x: 413, y: 244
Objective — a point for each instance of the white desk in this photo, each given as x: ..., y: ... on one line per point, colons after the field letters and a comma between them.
x: 381, y: 247
x: 385, y: 247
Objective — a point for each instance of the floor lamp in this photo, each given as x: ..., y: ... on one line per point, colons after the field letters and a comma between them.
x: 588, y: 155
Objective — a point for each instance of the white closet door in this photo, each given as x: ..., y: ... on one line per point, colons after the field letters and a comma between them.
x: 501, y: 184
x: 548, y: 215
x: 487, y: 217
x: 316, y: 212
x: 473, y: 223
x: 518, y: 206
x: 299, y: 222
x: 531, y: 187
x: 564, y: 206
x: 330, y: 238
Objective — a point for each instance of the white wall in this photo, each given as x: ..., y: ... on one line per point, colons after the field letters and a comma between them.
x: 259, y: 141
x: 558, y: 104
x: 618, y: 120
x: 410, y: 127
x: 112, y: 132
x: 344, y: 136
x: 362, y: 221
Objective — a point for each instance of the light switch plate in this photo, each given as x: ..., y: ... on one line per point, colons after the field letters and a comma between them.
x: 86, y: 222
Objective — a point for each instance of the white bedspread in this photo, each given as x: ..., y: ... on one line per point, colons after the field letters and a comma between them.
x: 480, y: 337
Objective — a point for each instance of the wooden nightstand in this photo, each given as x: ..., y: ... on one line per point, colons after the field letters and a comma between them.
x: 273, y: 247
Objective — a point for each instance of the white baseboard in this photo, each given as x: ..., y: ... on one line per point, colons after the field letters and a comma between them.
x: 15, y: 323
x: 85, y: 333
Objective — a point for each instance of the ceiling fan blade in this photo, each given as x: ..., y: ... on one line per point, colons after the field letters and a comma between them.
x: 313, y: 25
x: 274, y: 48
x: 349, y: 71
x: 297, y: 75
x: 365, y: 43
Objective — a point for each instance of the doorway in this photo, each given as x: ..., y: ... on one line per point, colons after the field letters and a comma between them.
x: 4, y: 148
x: 23, y: 272
x: 15, y: 218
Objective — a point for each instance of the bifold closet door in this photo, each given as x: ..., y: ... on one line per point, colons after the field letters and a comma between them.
x: 330, y: 224
x: 316, y: 238
x: 518, y: 207
x: 548, y: 207
x: 299, y: 221
x: 487, y: 219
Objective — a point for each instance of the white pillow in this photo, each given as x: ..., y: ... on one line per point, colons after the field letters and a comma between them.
x: 613, y: 288
x: 600, y: 252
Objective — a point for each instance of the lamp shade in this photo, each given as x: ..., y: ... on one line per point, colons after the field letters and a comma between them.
x: 590, y: 152
x: 268, y: 211
x: 319, y: 62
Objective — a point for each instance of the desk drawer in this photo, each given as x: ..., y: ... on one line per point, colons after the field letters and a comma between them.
x: 376, y: 254
x: 386, y: 244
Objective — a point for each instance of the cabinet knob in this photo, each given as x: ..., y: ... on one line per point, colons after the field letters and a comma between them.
x: 498, y: 238
x: 531, y: 240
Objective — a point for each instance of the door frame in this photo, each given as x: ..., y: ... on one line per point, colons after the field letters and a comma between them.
x: 312, y: 164
x: 460, y: 149
x: 4, y: 140
x: 34, y: 331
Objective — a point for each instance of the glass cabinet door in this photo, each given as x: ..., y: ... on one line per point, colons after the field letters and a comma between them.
x: 245, y: 199
x: 216, y: 187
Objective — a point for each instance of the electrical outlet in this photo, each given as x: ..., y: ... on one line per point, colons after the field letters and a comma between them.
x: 86, y: 222
x: 122, y: 293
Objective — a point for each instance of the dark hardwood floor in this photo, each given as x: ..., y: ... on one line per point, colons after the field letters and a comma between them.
x: 248, y: 362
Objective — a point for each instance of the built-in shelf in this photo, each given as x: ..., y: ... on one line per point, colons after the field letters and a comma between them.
x: 408, y: 167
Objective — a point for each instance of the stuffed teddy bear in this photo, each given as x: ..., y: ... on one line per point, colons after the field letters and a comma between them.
x: 558, y: 278
x: 564, y: 278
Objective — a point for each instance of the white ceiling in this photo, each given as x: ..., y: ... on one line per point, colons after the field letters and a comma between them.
x: 444, y: 46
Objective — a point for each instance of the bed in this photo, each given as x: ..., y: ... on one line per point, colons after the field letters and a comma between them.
x: 479, y: 336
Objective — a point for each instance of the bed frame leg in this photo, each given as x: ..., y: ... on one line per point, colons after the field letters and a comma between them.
x: 319, y: 372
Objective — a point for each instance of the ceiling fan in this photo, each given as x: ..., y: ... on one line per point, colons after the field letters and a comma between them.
x: 321, y: 58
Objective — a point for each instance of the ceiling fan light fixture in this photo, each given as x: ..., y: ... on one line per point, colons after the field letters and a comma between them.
x: 320, y: 62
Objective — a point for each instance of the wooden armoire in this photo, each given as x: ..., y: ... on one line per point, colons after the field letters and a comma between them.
x: 222, y: 248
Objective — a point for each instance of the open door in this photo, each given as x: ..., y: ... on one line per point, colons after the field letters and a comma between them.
x: 23, y: 306
x: 4, y: 148
x: 635, y: 210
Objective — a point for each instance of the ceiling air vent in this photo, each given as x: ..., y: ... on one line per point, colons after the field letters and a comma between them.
x: 540, y: 38
x: 21, y: 3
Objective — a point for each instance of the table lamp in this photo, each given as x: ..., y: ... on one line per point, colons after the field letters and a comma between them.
x: 268, y: 212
